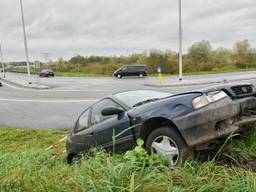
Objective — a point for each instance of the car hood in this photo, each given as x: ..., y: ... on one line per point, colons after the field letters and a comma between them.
x: 168, y: 102
x: 225, y: 86
x: 185, y: 98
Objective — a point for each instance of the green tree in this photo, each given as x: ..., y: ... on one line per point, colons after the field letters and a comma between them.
x: 200, y: 55
x: 222, y: 59
x: 61, y: 62
x: 242, y: 54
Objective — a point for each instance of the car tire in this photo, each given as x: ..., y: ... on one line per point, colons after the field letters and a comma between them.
x: 168, y: 143
x: 71, y: 158
x: 141, y: 75
x: 119, y: 76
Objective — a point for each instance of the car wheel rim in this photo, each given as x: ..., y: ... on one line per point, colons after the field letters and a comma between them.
x: 119, y: 76
x: 167, y: 148
x: 141, y: 75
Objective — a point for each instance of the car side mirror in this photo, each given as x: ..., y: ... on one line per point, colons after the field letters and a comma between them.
x: 111, y: 111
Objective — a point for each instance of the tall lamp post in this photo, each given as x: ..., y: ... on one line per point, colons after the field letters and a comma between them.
x: 2, y: 61
x: 180, y: 43
x: 25, y: 42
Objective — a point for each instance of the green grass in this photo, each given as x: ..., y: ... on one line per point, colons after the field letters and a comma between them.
x: 20, y: 140
x: 210, y: 72
x: 24, y: 70
x: 78, y: 74
x: 25, y: 165
x: 219, y: 71
x: 82, y: 74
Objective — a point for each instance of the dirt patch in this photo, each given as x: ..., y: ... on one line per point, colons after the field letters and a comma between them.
x: 251, y: 165
x: 224, y: 160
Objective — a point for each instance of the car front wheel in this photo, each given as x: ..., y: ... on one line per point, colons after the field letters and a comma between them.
x: 141, y: 75
x: 119, y: 76
x: 167, y: 143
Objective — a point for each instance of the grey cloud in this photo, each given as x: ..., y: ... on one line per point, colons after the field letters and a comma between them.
x: 111, y: 27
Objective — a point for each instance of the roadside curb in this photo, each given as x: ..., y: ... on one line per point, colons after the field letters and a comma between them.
x: 199, y: 83
x: 32, y: 86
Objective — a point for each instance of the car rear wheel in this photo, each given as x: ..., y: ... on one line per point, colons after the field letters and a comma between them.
x: 167, y: 143
x: 141, y: 75
x: 119, y: 76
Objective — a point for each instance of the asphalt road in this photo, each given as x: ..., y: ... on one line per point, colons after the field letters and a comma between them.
x: 58, y: 108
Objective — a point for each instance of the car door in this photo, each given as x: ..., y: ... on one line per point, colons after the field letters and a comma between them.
x: 83, y: 136
x: 106, y: 127
x: 130, y: 71
x: 124, y: 71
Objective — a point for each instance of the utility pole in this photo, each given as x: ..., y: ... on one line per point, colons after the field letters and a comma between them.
x: 2, y: 61
x: 180, y: 43
x: 25, y: 42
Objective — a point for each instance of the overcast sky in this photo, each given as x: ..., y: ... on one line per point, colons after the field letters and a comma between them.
x: 64, y: 28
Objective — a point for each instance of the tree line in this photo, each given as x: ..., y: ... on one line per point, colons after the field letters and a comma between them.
x: 200, y: 57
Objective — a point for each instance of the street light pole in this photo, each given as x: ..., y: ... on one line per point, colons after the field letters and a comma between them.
x: 2, y: 60
x: 180, y: 43
x: 25, y: 42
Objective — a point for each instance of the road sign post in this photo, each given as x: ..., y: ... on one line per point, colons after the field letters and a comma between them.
x: 180, y: 43
x: 2, y: 61
x: 160, y: 76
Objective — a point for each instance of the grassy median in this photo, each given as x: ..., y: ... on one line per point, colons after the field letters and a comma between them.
x: 25, y: 165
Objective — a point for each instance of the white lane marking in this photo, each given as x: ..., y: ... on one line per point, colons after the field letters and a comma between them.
x: 11, y: 86
x: 48, y: 101
x: 52, y: 89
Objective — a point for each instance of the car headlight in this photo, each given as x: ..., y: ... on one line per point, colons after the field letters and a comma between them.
x: 208, y: 98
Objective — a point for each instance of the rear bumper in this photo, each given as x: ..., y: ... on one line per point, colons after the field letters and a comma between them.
x: 217, y: 120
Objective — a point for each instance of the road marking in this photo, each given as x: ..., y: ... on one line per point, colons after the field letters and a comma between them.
x: 53, y: 90
x: 11, y: 86
x: 48, y: 101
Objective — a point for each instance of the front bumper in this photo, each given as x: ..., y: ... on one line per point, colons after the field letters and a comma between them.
x: 217, y: 120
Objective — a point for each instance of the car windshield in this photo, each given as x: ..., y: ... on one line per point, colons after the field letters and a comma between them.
x: 132, y: 98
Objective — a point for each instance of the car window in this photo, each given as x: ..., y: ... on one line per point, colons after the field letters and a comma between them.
x: 136, y: 68
x: 83, y: 121
x: 141, y: 68
x: 96, y: 116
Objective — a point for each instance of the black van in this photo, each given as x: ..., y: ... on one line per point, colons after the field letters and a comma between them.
x: 131, y: 70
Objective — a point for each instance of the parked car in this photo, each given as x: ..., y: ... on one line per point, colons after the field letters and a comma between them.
x: 131, y: 70
x: 0, y: 84
x: 170, y: 125
x: 46, y: 73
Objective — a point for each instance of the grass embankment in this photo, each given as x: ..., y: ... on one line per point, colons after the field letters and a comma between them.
x: 24, y: 70
x: 78, y: 74
x: 83, y: 74
x: 25, y: 165
x: 219, y: 71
